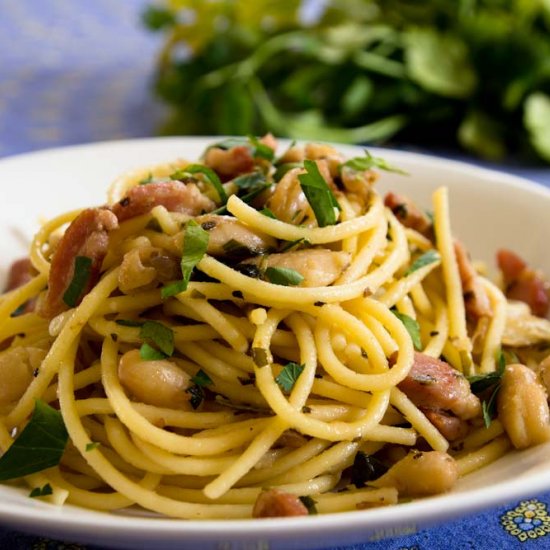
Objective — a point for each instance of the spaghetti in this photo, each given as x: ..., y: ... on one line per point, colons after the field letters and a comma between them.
x: 252, y: 336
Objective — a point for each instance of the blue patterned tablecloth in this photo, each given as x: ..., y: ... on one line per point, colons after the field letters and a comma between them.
x: 79, y: 71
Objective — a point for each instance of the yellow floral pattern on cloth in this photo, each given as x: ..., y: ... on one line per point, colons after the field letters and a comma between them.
x: 527, y: 521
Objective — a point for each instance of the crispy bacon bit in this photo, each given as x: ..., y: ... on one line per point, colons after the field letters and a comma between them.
x: 88, y: 235
x: 273, y: 503
x: 475, y: 298
x: 523, y: 283
x: 409, y: 214
x: 20, y: 273
x: 175, y: 196
x: 439, y: 390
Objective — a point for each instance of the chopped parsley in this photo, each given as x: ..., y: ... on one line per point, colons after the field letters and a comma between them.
x: 202, y: 379
x: 267, y: 212
x: 158, y: 341
x: 360, y: 164
x: 39, y: 446
x: 79, y: 282
x: 209, y: 175
x: 318, y: 194
x: 249, y: 181
x: 289, y: 375
x: 309, y: 503
x: 283, y: 276
x: 412, y: 326
x: 366, y: 468
x: 196, y: 391
x: 195, y: 244
x: 41, y: 491
x: 429, y: 257
x: 489, y: 385
x: 92, y: 446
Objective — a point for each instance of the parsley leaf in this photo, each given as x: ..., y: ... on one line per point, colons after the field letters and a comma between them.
x: 202, y: 379
x: 283, y: 276
x: 489, y: 385
x: 41, y: 491
x: 366, y: 468
x: 196, y: 395
x: 252, y: 180
x: 267, y: 212
x: 427, y: 258
x: 288, y: 376
x: 282, y: 169
x: 318, y: 194
x: 159, y: 335
x: 195, y: 244
x: 412, y: 326
x: 309, y: 503
x: 261, y: 150
x: 91, y: 446
x: 81, y: 276
x: 208, y: 173
x: 360, y: 164
x: 149, y: 353
x: 39, y: 446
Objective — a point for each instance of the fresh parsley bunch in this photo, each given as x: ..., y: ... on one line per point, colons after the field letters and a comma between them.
x: 471, y: 72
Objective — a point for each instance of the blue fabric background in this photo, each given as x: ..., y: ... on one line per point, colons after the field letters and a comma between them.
x: 79, y: 71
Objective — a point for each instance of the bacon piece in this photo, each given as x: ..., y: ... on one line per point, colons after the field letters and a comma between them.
x: 175, y: 196
x: 88, y: 235
x: 523, y: 283
x: 230, y: 163
x: 451, y: 427
x: 19, y: 274
x: 476, y: 300
x: 409, y: 214
x: 273, y: 503
x: 434, y: 384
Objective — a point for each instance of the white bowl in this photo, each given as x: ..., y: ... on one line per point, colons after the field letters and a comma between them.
x: 488, y: 209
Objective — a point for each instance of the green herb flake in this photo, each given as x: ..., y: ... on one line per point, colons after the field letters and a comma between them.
x: 289, y: 375
x: 91, y: 446
x: 146, y: 180
x: 412, y: 326
x: 429, y: 257
x: 159, y: 335
x: 81, y: 276
x: 195, y: 244
x: 202, y: 379
x: 309, y: 503
x: 361, y: 164
x: 318, y: 194
x: 366, y: 468
x: 267, y: 212
x: 210, y: 176
x: 196, y: 395
x: 261, y: 150
x: 253, y: 180
x: 283, y: 276
x: 282, y: 169
x: 149, y: 353
x: 39, y: 446
x: 41, y: 491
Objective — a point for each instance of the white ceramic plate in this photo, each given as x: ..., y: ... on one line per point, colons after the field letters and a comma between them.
x: 488, y: 209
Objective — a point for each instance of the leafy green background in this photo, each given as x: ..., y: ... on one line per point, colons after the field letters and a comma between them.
x: 467, y: 72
